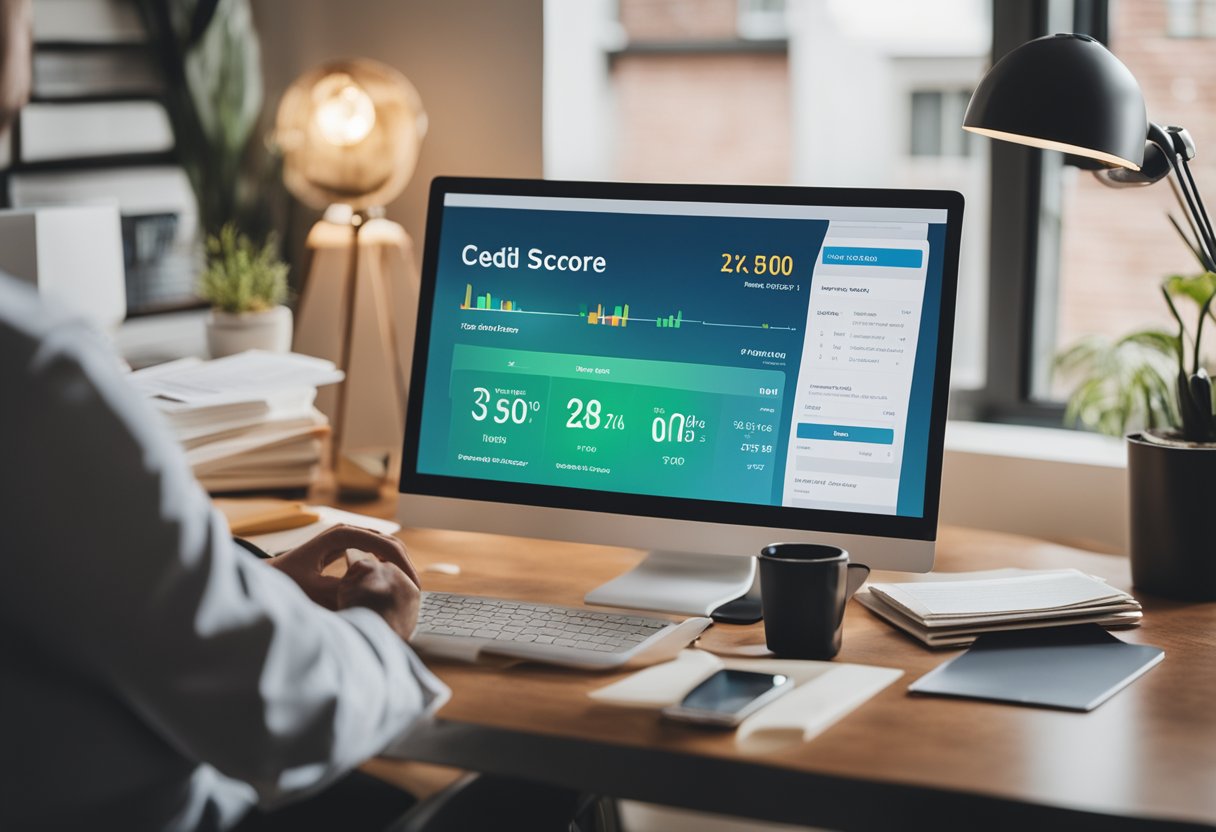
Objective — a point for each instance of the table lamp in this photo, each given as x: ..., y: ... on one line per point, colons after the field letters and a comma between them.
x: 1070, y: 93
x: 350, y: 133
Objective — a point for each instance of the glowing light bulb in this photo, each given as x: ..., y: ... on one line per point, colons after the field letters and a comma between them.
x: 344, y: 113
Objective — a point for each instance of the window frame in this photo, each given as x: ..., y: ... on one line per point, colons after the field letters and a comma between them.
x: 1023, y: 257
x: 1199, y: 16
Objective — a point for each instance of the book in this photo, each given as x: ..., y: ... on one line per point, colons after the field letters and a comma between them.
x: 80, y: 74
x: 952, y: 610
x: 276, y: 446
x: 88, y: 21
x: 246, y: 422
x: 1071, y: 668
x: 199, y: 435
x: 58, y: 131
x: 148, y: 189
x: 269, y: 480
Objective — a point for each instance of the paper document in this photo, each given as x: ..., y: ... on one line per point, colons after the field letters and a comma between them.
x: 1024, y: 594
x: 950, y: 610
x: 276, y: 542
x: 246, y: 376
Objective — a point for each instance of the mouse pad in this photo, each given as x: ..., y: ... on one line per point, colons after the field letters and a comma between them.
x: 1074, y: 668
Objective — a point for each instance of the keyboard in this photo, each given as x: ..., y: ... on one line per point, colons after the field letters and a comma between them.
x: 467, y: 626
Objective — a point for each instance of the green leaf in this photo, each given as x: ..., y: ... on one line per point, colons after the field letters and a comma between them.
x: 1199, y: 288
x: 241, y: 276
x: 1121, y: 385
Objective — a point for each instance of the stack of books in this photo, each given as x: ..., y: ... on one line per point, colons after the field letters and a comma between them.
x: 951, y: 610
x: 247, y: 422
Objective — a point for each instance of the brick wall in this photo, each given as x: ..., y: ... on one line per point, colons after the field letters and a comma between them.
x: 1117, y: 244
x: 699, y: 116
x: 703, y: 118
x: 679, y: 19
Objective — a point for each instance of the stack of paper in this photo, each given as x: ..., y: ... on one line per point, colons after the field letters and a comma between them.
x: 247, y: 421
x: 953, y: 610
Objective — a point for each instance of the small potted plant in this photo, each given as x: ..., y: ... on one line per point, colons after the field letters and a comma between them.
x: 1157, y: 379
x: 246, y: 286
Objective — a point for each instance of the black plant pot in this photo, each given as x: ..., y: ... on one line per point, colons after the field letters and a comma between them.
x: 1173, y: 533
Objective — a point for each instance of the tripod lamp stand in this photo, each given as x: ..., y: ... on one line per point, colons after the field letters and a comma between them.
x: 350, y: 133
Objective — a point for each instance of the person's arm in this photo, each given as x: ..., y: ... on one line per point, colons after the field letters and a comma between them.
x: 116, y: 564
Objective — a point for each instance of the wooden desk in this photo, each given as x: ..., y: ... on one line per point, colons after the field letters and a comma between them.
x: 1145, y: 757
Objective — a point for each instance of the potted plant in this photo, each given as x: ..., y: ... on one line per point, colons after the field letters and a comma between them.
x: 246, y: 286
x: 1157, y: 379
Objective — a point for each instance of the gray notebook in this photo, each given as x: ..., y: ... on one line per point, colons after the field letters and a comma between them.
x: 1076, y: 668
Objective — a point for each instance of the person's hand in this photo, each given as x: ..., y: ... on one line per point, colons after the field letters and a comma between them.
x: 305, y: 563
x: 384, y: 589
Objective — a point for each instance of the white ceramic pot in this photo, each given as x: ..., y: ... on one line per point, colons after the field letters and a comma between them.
x: 229, y: 333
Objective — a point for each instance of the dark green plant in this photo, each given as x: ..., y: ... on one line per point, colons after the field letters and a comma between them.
x: 209, y: 54
x: 241, y: 276
x: 1151, y: 378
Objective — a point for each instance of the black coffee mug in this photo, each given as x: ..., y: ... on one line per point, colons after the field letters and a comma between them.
x: 803, y: 588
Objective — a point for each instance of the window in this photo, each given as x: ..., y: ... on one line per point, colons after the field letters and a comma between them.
x: 762, y: 19
x: 1116, y: 246
x: 753, y: 91
x: 1049, y: 256
x: 1191, y: 18
x: 936, y: 116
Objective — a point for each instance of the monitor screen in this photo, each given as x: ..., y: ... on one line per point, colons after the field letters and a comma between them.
x: 768, y: 356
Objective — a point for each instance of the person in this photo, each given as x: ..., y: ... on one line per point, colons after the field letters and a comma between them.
x: 156, y: 675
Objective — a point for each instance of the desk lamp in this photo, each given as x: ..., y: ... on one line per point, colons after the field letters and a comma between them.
x: 1070, y: 93
x: 350, y: 133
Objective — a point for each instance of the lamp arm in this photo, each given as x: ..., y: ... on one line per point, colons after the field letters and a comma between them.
x: 1175, y: 144
x: 1203, y: 215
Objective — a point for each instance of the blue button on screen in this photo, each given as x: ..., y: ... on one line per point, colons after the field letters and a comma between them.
x: 899, y: 258
x: 846, y: 433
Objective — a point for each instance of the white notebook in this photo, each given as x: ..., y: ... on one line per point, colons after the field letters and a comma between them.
x: 953, y: 610
x: 1043, y: 592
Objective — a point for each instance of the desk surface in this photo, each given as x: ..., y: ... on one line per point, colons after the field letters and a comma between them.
x: 1147, y: 754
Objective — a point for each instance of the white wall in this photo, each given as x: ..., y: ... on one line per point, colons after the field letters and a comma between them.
x: 1060, y: 485
x: 578, y: 122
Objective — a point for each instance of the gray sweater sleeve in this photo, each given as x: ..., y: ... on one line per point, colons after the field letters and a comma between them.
x: 118, y: 568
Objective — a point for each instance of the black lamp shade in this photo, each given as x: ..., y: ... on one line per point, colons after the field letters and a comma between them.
x: 1066, y: 93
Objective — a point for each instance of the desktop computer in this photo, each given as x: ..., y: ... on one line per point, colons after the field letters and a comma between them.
x: 697, y: 371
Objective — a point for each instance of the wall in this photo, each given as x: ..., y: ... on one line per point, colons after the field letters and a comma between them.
x: 477, y: 66
x: 1061, y: 485
x: 1117, y: 245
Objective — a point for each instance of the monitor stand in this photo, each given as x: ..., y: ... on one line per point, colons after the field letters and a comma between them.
x: 679, y: 582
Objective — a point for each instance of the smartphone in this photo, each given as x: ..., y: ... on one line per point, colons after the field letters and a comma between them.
x: 728, y: 697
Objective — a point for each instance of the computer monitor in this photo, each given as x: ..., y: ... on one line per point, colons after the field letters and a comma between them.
x: 693, y: 370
